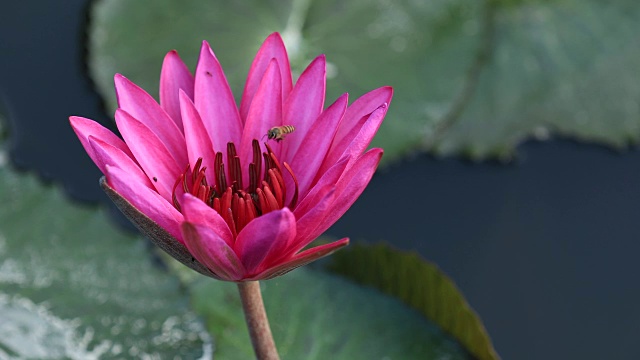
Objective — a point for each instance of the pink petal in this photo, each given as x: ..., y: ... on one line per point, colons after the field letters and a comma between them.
x: 197, y: 212
x: 325, y: 183
x: 151, y: 153
x: 84, y: 128
x: 272, y: 48
x: 310, y: 156
x: 107, y: 154
x: 304, y: 105
x: 196, y: 137
x: 265, y: 236
x: 211, y: 250
x: 175, y: 76
x: 143, y: 107
x: 356, y: 142
x: 349, y: 188
x: 265, y: 113
x: 310, y: 221
x: 301, y: 259
x: 146, y: 200
x: 214, y: 101
x: 363, y: 106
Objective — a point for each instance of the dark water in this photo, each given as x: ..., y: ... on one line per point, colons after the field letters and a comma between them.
x: 544, y: 248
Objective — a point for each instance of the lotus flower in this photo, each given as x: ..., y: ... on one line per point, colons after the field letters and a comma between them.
x: 194, y: 174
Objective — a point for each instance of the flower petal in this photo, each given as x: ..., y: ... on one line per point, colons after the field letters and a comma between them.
x: 146, y: 200
x: 170, y: 244
x: 356, y: 142
x: 363, y: 106
x: 214, y: 101
x: 211, y: 250
x: 349, y: 188
x: 301, y: 259
x: 143, y: 107
x: 304, y: 105
x: 195, y: 134
x: 84, y: 128
x: 265, y: 113
x: 175, y: 76
x: 310, y: 156
x: 197, y: 212
x: 326, y: 182
x: 306, y: 224
x: 264, y: 237
x: 272, y: 48
x: 154, y: 158
x: 107, y: 154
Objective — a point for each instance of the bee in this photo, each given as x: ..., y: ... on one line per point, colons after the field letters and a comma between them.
x: 279, y: 132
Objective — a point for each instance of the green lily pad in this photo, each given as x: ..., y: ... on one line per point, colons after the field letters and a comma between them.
x: 72, y: 286
x: 419, y: 284
x: 555, y: 67
x: 470, y: 77
x: 315, y: 315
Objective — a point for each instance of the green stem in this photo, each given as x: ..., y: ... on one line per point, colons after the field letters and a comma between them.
x: 257, y: 322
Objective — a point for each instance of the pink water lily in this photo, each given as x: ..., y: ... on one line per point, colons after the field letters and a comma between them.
x: 198, y: 175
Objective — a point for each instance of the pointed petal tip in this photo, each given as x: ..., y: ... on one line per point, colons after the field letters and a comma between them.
x: 119, y: 77
x: 183, y: 95
x: 108, y: 174
x: 120, y: 81
x: 172, y: 55
x: 320, y: 58
x: 378, y: 152
x: 273, y: 62
x: 274, y: 36
x: 188, y: 199
x: 206, y: 47
x: 120, y: 113
x: 76, y: 120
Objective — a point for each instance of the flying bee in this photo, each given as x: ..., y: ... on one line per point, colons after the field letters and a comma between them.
x: 279, y: 132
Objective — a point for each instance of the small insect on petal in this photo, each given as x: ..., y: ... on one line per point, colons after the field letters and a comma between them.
x: 278, y: 133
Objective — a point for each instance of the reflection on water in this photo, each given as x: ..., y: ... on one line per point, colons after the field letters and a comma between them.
x: 28, y: 330
x: 32, y: 331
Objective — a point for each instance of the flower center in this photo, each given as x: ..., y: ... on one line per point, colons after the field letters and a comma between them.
x: 227, y: 195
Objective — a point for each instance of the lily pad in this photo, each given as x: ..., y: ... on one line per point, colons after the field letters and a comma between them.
x: 315, y: 315
x: 419, y: 284
x: 470, y: 77
x: 72, y: 286
x: 555, y: 67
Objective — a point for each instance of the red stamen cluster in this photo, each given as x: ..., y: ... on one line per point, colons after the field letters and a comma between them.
x: 236, y: 204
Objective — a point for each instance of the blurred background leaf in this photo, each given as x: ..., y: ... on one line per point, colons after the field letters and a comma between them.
x: 470, y: 77
x: 419, y: 284
x: 75, y: 287
x: 315, y: 315
x: 555, y: 67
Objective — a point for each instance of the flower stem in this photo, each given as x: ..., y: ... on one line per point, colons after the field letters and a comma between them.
x: 257, y: 322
